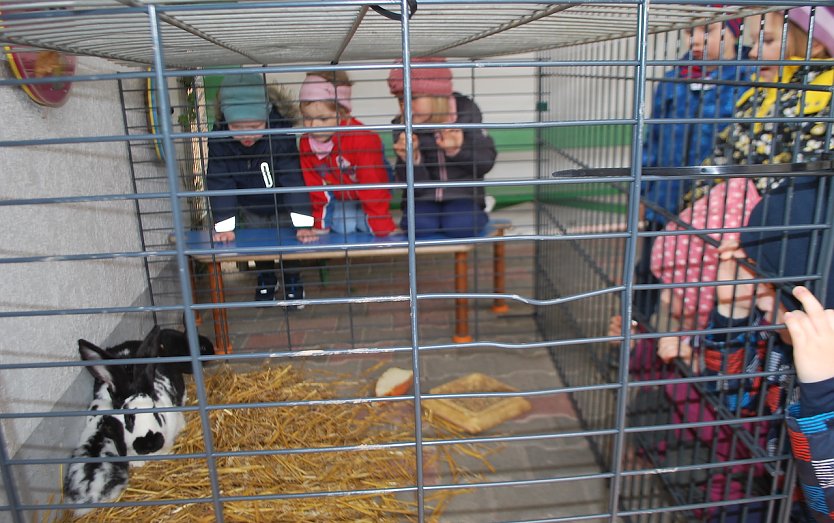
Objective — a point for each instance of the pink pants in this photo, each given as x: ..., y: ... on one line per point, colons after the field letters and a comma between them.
x: 687, y: 405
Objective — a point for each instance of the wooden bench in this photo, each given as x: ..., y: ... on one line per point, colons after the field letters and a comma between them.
x: 335, y: 246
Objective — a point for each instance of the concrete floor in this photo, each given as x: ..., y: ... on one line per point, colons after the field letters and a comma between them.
x: 551, y: 456
x: 544, y: 465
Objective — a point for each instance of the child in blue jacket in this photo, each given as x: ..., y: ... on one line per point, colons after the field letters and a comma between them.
x: 256, y: 161
x: 692, y: 96
x: 687, y: 92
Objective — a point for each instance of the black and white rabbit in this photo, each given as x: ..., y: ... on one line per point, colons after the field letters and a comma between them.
x: 128, y: 387
x: 103, y: 436
x: 153, y: 386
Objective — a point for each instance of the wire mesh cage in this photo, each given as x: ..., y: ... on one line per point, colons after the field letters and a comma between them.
x: 559, y: 301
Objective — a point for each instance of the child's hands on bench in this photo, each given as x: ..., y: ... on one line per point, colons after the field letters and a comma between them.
x: 223, y: 237
x: 812, y: 332
x: 306, y: 235
x: 303, y: 235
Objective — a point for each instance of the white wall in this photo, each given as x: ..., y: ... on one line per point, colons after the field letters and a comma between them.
x: 93, y: 109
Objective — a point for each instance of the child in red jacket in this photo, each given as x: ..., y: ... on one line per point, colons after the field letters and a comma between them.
x: 331, y: 157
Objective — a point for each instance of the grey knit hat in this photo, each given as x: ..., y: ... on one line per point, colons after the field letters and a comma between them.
x: 243, y: 98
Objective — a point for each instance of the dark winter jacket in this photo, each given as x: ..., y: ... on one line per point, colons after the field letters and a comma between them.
x: 796, y: 202
x: 743, y: 353
x: 810, y: 421
x: 475, y: 159
x: 271, y: 162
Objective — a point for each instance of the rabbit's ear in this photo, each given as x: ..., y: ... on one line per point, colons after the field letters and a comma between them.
x: 144, y: 374
x: 206, y: 346
x: 90, y: 352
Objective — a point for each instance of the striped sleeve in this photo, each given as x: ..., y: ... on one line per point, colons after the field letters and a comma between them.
x: 812, y: 443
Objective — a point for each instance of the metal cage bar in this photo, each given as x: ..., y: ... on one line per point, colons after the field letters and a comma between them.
x: 609, y: 433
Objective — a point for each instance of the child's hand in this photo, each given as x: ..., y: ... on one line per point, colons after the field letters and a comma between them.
x: 671, y: 347
x: 813, y: 338
x: 615, y: 328
x: 615, y: 325
x: 306, y: 235
x: 734, y: 301
x: 326, y: 230
x: 450, y: 140
x: 400, y: 148
x: 395, y: 230
x: 223, y: 237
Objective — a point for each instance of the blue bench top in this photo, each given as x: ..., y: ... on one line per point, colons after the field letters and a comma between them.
x: 250, y: 244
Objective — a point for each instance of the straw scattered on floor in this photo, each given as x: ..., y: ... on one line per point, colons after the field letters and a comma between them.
x: 303, y: 474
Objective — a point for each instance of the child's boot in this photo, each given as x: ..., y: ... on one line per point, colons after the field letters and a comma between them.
x: 266, y: 286
x: 293, y: 288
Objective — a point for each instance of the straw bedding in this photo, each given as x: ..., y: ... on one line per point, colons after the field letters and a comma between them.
x: 304, y: 474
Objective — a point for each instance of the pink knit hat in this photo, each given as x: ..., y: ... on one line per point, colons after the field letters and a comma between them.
x: 823, y: 24
x: 426, y: 82
x: 687, y: 259
x: 318, y: 89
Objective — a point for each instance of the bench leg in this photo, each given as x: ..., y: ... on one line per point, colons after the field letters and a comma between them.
x: 192, y: 266
x: 461, y: 304
x: 499, y: 305
x: 218, y: 295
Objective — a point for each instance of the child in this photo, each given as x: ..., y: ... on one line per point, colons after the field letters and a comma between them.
x: 680, y: 144
x: 256, y: 161
x: 766, y: 147
x: 809, y: 421
x: 785, y: 142
x: 341, y: 158
x: 689, y: 259
x: 769, y: 143
x: 717, y: 354
x: 442, y: 155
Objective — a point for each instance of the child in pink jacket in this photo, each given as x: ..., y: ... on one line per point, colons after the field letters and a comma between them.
x: 685, y: 259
